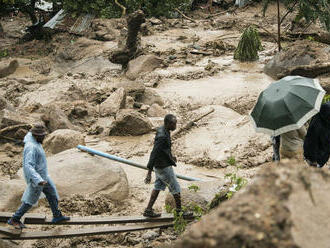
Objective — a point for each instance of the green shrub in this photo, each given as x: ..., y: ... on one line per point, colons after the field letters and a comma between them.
x: 248, y: 46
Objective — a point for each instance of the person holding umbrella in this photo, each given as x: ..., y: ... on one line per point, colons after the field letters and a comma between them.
x: 292, y: 144
x: 284, y: 107
x: 317, y: 141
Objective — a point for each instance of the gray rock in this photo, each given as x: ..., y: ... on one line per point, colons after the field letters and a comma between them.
x: 150, y: 235
x: 150, y: 96
x: 113, y: 103
x: 130, y: 122
x: 142, y: 64
x: 156, y: 111
x: 63, y: 139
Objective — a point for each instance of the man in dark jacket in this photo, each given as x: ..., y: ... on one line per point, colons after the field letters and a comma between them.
x: 317, y: 140
x: 161, y: 161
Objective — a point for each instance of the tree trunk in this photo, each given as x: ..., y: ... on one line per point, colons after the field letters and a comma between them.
x: 278, y: 26
x: 1, y: 29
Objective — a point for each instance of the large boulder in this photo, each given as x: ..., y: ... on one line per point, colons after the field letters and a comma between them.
x: 55, y: 118
x: 130, y: 122
x: 298, y: 60
x: 63, y: 139
x: 75, y: 172
x: 286, y: 205
x: 10, y: 194
x: 150, y: 96
x: 113, y: 103
x: 142, y: 64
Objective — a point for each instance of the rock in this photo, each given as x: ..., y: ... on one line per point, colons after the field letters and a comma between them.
x: 150, y: 96
x: 156, y: 111
x: 144, y: 108
x: 63, y: 139
x: 10, y: 194
x: 102, y: 126
x: 269, y: 212
x: 189, y: 199
x: 142, y: 64
x: 129, y: 102
x: 104, y: 30
x: 132, y: 88
x: 75, y: 172
x: 55, y: 118
x: 10, y: 69
x: 3, y: 103
x: 130, y: 122
x: 113, y: 103
x: 11, y: 118
x: 150, y: 235
x: 301, y: 53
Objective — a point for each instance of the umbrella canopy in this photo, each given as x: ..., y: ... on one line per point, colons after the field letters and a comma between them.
x: 287, y: 104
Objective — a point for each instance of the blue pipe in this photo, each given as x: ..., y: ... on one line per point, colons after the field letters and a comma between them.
x: 125, y: 161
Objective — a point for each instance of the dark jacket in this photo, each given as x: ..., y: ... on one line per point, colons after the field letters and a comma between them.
x: 317, y: 140
x: 161, y: 155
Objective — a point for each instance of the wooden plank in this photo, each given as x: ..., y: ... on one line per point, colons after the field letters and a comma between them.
x: 90, y: 220
x: 5, y: 216
x: 10, y: 232
x: 87, y: 231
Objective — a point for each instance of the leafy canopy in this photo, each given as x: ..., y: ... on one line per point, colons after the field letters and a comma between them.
x: 311, y: 10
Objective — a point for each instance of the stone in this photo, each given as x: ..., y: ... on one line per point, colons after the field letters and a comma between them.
x: 269, y: 212
x: 63, y: 139
x: 10, y: 69
x: 11, y: 192
x: 300, y: 53
x: 113, y: 103
x: 150, y: 96
x: 150, y: 235
x: 156, y: 111
x: 143, y: 64
x: 130, y: 122
x: 189, y: 198
x: 102, y: 126
x: 55, y: 118
x: 75, y: 172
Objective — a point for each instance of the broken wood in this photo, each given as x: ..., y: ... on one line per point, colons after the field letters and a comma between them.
x: 184, y: 16
x: 311, y: 71
x: 323, y: 37
x: 200, y: 52
x: 190, y: 124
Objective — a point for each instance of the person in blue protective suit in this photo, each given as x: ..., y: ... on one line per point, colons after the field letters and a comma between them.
x: 36, y: 177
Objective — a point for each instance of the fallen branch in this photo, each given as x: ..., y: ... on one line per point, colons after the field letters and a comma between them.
x: 11, y: 128
x: 184, y: 16
x: 190, y: 124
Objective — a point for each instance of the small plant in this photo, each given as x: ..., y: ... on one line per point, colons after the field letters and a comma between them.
x: 231, y: 160
x: 180, y: 223
x: 248, y: 46
x: 194, y: 188
x: 326, y: 98
x: 236, y: 182
x: 4, y: 53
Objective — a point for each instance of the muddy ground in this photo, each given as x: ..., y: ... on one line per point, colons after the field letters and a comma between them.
x: 69, y: 68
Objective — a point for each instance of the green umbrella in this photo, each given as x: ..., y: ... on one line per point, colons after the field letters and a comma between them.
x: 287, y: 104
